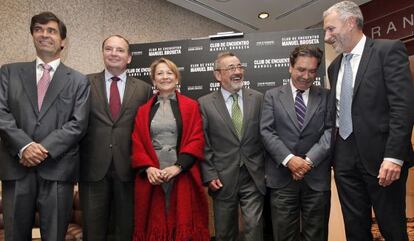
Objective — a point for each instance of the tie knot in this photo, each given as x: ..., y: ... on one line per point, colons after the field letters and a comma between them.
x: 300, y: 91
x: 115, y: 78
x: 46, y: 67
x: 348, y: 57
x: 235, y: 97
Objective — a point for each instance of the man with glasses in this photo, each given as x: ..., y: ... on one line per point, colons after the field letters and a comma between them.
x: 234, y: 165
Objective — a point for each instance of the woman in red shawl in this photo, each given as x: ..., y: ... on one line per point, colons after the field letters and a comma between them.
x: 167, y: 143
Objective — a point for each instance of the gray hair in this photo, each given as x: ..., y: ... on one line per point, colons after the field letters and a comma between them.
x: 221, y: 56
x: 345, y: 10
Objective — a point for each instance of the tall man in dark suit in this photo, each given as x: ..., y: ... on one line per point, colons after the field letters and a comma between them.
x: 43, y: 115
x: 297, y: 137
x: 107, y: 187
x: 234, y: 165
x: 372, y: 102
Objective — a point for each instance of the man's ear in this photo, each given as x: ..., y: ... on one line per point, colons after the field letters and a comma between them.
x: 217, y: 75
x: 62, y: 44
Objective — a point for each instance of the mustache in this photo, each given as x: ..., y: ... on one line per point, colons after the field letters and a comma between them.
x: 236, y: 76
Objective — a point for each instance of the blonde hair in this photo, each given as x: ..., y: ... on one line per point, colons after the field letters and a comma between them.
x: 173, y: 67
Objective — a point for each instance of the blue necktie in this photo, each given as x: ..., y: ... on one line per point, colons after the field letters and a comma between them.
x: 300, y: 108
x: 345, y: 101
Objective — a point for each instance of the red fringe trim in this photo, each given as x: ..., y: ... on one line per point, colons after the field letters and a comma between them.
x: 178, y: 235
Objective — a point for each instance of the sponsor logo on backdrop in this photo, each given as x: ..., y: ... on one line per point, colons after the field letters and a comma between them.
x: 194, y: 87
x: 266, y: 54
x: 270, y: 63
x: 162, y: 51
x: 201, y: 67
x: 214, y: 86
x: 265, y: 43
x: 229, y: 45
x: 136, y: 53
x: 266, y: 84
x: 300, y: 40
x: 138, y: 72
x: 195, y: 48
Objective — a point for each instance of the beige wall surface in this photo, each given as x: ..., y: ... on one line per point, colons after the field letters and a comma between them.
x: 89, y: 22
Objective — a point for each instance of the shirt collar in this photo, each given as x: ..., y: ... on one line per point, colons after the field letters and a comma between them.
x: 359, y: 48
x: 122, y: 76
x: 226, y: 94
x: 54, y: 64
x: 294, y: 89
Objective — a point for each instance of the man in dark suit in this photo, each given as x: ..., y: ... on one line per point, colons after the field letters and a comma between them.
x: 107, y: 179
x: 297, y: 138
x: 234, y: 165
x: 372, y: 103
x: 43, y: 115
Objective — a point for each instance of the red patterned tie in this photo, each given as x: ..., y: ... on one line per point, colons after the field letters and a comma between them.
x: 114, y: 98
x: 43, y: 84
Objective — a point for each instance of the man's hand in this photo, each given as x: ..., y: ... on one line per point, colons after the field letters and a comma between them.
x: 388, y: 173
x: 155, y: 176
x: 215, y: 185
x: 299, y: 167
x: 170, y: 172
x: 33, y: 155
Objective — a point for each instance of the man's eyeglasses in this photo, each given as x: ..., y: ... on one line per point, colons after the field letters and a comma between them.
x: 232, y: 68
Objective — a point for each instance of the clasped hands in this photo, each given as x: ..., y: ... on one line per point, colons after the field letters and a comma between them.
x: 33, y: 155
x: 157, y: 176
x: 298, y: 167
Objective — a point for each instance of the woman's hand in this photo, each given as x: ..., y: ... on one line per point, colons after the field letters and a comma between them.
x: 170, y: 172
x: 155, y: 176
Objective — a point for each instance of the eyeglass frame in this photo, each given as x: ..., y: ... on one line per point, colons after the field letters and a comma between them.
x: 232, y: 68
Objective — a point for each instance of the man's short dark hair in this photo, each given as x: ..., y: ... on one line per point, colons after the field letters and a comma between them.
x: 44, y: 18
x: 306, y: 51
x: 118, y: 36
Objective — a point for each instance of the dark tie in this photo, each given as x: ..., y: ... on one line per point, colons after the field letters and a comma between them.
x: 300, y: 108
x: 43, y: 84
x: 345, y: 101
x: 114, y: 98
x: 236, y: 114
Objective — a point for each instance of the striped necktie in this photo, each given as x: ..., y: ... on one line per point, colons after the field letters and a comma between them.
x: 300, y: 108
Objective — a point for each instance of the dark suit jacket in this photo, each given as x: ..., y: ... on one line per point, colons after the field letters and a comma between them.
x: 58, y: 126
x: 224, y: 150
x: 282, y: 136
x: 382, y: 107
x: 108, y: 139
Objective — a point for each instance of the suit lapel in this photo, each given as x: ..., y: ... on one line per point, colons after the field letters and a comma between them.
x: 313, y: 102
x: 130, y: 87
x: 28, y: 77
x: 247, y: 109
x: 363, y: 64
x: 98, y: 84
x: 220, y: 105
x: 286, y: 98
x: 58, y: 82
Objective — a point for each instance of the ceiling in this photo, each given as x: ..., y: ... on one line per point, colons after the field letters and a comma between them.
x: 241, y: 15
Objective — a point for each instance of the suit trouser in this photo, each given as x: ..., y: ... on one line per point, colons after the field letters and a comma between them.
x: 226, y: 212
x: 21, y: 199
x: 296, y: 206
x: 107, y: 208
x: 359, y: 192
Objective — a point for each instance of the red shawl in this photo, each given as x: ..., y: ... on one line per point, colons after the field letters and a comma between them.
x: 187, y: 217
